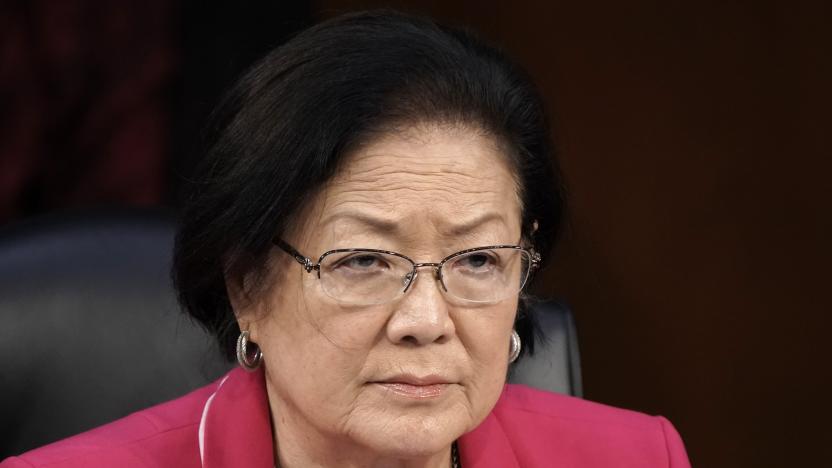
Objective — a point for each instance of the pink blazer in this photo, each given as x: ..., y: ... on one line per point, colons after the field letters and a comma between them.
x: 226, y: 424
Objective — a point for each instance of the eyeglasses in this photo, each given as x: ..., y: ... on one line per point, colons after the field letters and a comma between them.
x: 370, y: 277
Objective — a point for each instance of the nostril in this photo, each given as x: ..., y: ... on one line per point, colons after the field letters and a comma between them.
x: 410, y: 339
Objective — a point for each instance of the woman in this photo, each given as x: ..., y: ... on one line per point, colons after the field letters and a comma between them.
x: 375, y: 195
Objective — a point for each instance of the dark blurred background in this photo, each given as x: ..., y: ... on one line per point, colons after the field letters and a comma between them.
x: 694, y: 137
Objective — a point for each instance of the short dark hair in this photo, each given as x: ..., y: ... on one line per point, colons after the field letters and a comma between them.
x: 283, y: 129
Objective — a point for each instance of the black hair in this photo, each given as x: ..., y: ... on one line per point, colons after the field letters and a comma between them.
x: 282, y: 130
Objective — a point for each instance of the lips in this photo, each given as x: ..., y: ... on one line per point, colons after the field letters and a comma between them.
x: 411, y: 386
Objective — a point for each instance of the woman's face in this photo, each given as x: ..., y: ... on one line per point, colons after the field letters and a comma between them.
x: 350, y: 375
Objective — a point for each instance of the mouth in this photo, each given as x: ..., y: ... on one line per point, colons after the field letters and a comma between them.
x: 410, y: 386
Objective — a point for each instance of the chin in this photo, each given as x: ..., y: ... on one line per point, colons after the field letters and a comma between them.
x: 410, y: 436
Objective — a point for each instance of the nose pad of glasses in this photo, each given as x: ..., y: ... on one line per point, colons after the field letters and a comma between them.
x: 408, y: 279
x: 437, y: 274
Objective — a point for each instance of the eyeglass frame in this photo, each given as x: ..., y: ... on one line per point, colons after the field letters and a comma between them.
x: 307, y: 264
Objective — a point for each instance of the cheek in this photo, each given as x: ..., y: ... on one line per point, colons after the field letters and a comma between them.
x: 315, y: 353
x: 486, y: 331
x: 485, y: 334
x: 307, y: 325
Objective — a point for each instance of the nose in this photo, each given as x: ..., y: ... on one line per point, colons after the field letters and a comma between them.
x: 422, y: 316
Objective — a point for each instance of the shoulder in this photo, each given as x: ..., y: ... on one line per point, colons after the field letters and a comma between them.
x: 163, y: 435
x: 519, y: 402
x: 586, y: 433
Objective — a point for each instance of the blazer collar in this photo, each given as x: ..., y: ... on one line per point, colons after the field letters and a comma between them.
x: 235, y: 429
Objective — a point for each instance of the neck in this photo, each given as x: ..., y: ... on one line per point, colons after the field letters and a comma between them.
x: 298, y: 444
x: 292, y: 456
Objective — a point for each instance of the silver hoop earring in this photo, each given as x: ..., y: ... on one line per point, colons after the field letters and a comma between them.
x: 514, y: 348
x: 242, y: 353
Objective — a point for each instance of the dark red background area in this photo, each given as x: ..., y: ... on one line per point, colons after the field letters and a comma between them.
x: 694, y: 138
x: 84, y: 89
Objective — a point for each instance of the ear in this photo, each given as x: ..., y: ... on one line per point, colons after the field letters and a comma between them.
x: 235, y: 288
x: 238, y: 288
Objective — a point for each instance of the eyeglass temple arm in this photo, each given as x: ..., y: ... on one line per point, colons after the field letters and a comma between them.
x: 306, y: 262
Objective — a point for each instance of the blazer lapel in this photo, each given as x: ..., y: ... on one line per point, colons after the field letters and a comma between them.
x: 487, y: 446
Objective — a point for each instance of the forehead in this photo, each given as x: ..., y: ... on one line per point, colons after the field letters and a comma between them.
x: 427, y: 180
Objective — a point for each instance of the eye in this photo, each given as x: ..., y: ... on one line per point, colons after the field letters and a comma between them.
x: 362, y: 262
x: 476, y: 262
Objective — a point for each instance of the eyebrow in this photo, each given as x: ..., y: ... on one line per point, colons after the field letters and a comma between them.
x: 376, y: 224
x: 389, y: 226
x: 471, y: 225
